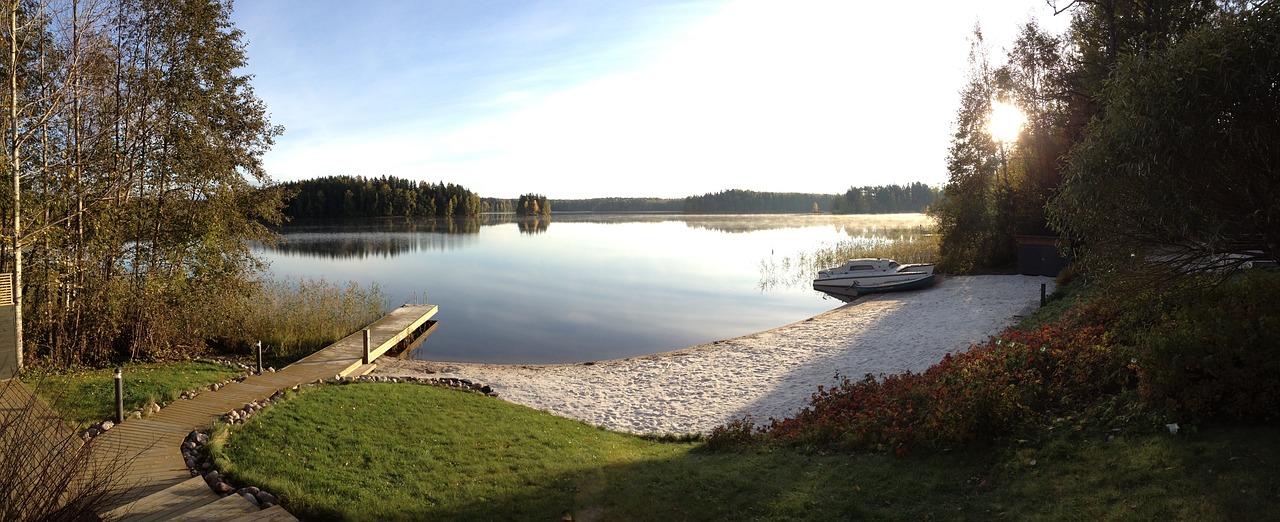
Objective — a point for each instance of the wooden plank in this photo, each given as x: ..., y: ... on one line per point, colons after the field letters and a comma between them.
x: 271, y: 514
x: 225, y: 508
x: 165, y: 504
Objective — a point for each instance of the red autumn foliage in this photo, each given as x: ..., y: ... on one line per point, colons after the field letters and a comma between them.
x: 1011, y: 382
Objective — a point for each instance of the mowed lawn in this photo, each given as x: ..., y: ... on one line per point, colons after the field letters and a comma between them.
x: 89, y: 396
x: 406, y: 452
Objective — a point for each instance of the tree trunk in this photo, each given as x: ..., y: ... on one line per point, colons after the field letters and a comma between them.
x: 15, y: 165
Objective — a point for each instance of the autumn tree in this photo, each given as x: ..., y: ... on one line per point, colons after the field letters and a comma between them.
x: 134, y: 181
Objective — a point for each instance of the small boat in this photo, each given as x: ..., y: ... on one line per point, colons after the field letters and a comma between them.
x: 866, y: 276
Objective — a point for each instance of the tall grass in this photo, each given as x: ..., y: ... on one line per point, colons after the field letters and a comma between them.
x: 294, y: 318
x: 46, y: 472
x: 906, y: 245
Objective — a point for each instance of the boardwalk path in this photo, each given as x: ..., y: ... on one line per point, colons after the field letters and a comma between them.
x: 159, y: 485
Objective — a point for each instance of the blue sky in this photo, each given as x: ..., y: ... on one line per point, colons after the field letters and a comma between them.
x: 577, y: 99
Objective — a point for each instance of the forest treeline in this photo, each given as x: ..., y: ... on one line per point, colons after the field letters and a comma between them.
x: 360, y: 197
x: 338, y: 197
x: 533, y: 205
x: 619, y: 205
x: 1151, y: 135
x: 886, y: 199
x: 751, y: 202
x: 133, y: 181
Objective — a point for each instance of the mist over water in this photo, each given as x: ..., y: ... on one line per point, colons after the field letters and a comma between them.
x: 578, y: 287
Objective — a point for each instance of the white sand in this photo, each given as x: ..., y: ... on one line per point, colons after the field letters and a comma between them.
x: 766, y: 374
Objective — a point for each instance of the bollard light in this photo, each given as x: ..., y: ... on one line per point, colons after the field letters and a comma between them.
x: 119, y: 395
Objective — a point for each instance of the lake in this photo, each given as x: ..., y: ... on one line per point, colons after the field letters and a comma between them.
x: 579, y: 287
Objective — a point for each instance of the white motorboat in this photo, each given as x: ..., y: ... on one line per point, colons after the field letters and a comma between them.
x: 865, y: 276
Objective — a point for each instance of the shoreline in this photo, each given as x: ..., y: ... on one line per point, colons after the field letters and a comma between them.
x: 768, y: 374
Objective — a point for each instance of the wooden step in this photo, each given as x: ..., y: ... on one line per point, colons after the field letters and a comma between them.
x: 165, y: 504
x: 271, y: 514
x: 225, y: 508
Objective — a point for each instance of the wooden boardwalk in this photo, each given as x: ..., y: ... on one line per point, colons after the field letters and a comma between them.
x: 159, y: 485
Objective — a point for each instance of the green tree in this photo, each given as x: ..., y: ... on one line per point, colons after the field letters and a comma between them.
x: 134, y: 162
x: 968, y: 215
x: 1181, y: 167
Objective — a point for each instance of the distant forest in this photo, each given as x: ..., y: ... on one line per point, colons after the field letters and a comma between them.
x: 359, y: 197
x: 752, y: 202
x: 339, y: 197
x: 533, y: 205
x: 886, y: 199
x: 619, y: 205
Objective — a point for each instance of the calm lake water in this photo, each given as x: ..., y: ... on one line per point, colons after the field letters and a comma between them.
x: 578, y: 287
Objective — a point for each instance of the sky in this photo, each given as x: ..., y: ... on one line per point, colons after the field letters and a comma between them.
x: 628, y: 98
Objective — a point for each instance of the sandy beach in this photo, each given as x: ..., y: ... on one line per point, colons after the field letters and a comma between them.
x: 765, y: 374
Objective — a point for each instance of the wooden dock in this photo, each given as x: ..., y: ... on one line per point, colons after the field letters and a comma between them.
x: 159, y: 485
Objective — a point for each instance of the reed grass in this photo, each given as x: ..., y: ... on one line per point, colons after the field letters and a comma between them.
x: 904, y: 245
x: 294, y: 318
x: 46, y: 472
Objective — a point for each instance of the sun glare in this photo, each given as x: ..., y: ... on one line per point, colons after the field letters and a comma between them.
x: 1005, y: 121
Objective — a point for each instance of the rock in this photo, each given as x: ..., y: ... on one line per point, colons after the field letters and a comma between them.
x: 222, y: 488
x: 212, y: 478
x: 155, y: 408
x: 249, y: 490
x: 486, y: 389
x: 106, y: 425
x: 190, y: 462
x: 252, y: 499
x: 93, y: 432
x: 202, y: 439
x: 267, y: 499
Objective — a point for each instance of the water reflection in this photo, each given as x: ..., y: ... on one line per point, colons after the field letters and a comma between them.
x: 593, y: 287
x: 852, y: 225
x: 377, y: 237
x: 534, y: 224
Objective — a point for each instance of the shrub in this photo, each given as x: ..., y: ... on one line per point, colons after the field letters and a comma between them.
x: 1013, y: 383
x: 1211, y: 353
x: 46, y: 472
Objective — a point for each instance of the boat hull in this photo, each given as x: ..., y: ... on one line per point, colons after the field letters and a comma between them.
x: 853, y: 286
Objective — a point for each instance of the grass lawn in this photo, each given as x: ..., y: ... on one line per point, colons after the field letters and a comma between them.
x: 398, y: 451
x: 90, y: 396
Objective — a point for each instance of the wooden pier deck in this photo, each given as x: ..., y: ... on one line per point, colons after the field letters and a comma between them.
x: 159, y: 485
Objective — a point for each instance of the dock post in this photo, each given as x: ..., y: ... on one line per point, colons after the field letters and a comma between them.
x: 1042, y: 297
x: 365, y: 360
x: 259, y: 357
x: 119, y: 395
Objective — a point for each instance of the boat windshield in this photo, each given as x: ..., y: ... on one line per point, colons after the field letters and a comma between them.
x: 893, y: 265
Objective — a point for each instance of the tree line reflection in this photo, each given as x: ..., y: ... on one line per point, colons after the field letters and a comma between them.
x: 357, y: 239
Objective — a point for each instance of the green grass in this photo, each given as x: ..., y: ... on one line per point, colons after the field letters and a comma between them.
x: 85, y: 397
x: 388, y: 451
